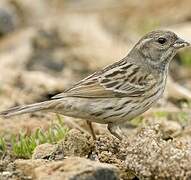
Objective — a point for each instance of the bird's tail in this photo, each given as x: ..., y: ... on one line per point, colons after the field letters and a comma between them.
x: 26, y: 109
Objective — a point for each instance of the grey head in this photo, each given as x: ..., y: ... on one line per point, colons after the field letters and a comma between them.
x: 157, y: 48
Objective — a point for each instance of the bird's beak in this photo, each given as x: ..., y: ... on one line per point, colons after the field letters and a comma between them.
x: 180, y: 43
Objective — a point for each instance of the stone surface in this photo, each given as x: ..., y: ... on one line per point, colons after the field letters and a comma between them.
x: 44, y: 151
x: 151, y: 157
x: 27, y: 167
x: 9, y: 20
x: 70, y: 168
x: 77, y: 144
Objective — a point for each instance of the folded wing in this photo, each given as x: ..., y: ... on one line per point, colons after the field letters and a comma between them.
x: 126, y: 80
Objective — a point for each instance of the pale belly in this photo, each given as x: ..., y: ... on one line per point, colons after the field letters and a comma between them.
x: 104, y: 110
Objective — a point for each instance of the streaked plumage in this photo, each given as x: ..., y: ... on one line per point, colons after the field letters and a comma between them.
x: 121, y: 91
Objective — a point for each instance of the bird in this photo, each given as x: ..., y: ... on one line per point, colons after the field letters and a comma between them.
x: 119, y: 92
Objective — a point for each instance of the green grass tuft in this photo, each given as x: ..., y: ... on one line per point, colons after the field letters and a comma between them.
x: 22, y: 146
x: 3, y: 146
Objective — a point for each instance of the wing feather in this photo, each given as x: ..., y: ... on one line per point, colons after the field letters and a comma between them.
x: 126, y: 80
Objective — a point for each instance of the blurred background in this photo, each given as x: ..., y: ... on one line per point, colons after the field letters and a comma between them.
x: 48, y: 45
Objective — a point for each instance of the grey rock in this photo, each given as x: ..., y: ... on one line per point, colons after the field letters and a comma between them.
x: 151, y: 157
x: 73, y: 168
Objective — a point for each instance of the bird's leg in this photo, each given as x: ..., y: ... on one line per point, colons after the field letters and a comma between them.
x: 91, y: 129
x: 114, y: 130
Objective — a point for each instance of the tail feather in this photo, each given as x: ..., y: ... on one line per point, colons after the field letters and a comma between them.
x: 25, y: 109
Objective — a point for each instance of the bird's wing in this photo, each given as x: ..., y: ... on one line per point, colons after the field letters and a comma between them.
x: 122, y: 79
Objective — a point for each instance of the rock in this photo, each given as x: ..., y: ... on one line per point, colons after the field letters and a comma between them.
x: 28, y: 166
x: 71, y: 168
x: 44, y: 151
x: 7, y: 23
x: 77, y: 144
x: 76, y: 168
x: 151, y: 157
x: 9, y: 20
x: 168, y: 128
x: 113, y: 151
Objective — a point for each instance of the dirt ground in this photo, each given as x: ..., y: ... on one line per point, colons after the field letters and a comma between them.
x: 46, y: 46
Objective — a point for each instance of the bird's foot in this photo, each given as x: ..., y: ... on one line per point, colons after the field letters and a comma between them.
x: 115, y: 130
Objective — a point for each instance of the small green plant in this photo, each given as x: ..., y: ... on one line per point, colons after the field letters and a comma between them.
x: 3, y: 146
x: 183, y: 117
x: 137, y: 121
x: 23, y: 145
x: 160, y: 114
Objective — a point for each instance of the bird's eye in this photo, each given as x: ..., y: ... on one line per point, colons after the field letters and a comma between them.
x: 161, y: 40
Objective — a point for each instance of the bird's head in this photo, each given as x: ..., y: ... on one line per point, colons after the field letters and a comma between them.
x: 159, y: 47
